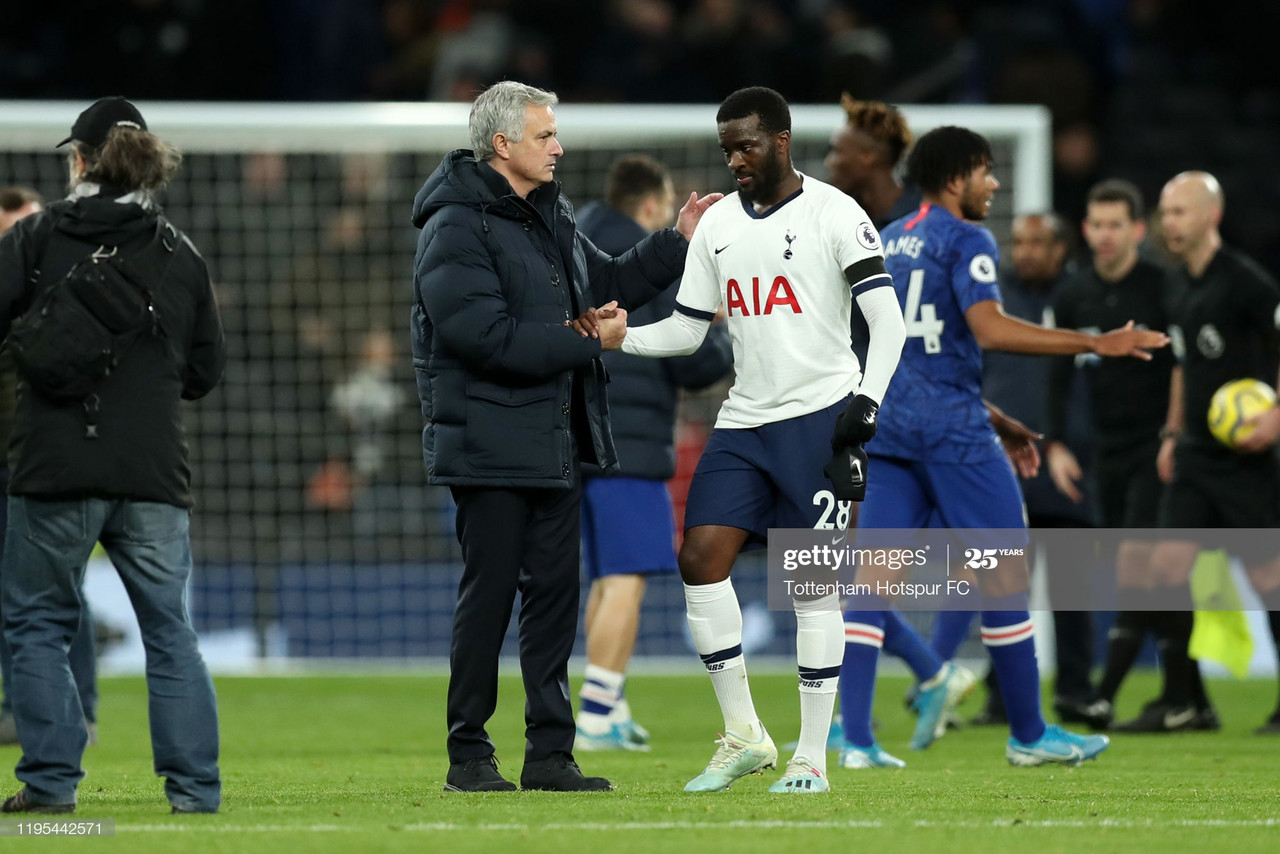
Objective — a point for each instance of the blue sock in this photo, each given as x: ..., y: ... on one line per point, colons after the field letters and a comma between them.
x: 863, y: 637
x: 950, y: 628
x: 902, y: 640
x: 1008, y: 636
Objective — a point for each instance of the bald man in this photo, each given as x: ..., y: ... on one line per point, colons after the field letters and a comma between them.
x: 1224, y: 328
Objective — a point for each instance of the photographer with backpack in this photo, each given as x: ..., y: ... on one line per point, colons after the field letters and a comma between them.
x: 112, y: 321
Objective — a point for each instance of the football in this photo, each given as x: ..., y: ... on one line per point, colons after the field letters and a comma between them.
x: 1234, y: 404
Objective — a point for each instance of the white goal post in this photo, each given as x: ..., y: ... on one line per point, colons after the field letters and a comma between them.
x: 388, y: 127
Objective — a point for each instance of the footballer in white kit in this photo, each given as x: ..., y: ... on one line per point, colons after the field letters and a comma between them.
x: 780, y: 277
x: 786, y: 257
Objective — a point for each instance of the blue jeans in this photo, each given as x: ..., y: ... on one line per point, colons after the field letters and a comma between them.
x: 84, y: 665
x: 47, y: 545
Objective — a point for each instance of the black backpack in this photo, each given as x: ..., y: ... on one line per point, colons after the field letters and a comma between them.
x: 77, y: 330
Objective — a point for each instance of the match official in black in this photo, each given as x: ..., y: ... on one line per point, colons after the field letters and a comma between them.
x: 109, y: 464
x: 1226, y: 319
x: 1130, y: 399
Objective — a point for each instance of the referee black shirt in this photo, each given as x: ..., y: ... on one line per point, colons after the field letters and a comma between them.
x: 1224, y: 329
x: 1129, y: 397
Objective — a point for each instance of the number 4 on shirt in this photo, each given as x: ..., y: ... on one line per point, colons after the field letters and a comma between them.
x: 922, y: 320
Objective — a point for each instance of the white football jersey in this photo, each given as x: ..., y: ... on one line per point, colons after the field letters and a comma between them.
x: 780, y: 276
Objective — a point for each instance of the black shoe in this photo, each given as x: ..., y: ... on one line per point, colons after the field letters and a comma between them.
x: 21, y: 803
x: 990, y: 717
x: 1270, y: 727
x: 180, y: 811
x: 560, y: 774
x: 1207, y: 720
x: 1160, y: 717
x: 1096, y: 714
x: 477, y: 775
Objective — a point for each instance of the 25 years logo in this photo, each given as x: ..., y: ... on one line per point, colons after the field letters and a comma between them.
x: 988, y: 558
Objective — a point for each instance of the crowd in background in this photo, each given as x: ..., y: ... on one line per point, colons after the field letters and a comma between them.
x: 1137, y: 88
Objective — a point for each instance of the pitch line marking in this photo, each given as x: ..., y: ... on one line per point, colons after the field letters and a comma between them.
x: 364, y: 827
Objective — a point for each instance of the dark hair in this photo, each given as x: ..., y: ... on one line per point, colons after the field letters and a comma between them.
x: 945, y: 153
x: 631, y: 179
x: 13, y: 198
x: 880, y: 121
x: 760, y: 101
x: 131, y: 159
x: 1118, y: 190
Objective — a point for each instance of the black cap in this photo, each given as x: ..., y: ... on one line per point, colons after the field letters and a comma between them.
x: 93, y: 125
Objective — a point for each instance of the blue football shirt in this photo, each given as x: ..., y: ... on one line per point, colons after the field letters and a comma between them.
x: 933, y: 410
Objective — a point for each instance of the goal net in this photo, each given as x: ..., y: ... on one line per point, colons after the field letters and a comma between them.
x: 313, y: 510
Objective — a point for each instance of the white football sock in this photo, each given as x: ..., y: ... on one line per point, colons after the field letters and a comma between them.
x: 819, y: 653
x: 715, y: 622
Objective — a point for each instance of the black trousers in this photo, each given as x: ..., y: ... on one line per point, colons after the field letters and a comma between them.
x: 1072, y: 630
x: 526, y: 540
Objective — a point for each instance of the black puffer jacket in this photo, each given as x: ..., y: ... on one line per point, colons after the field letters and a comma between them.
x: 643, y: 392
x: 141, y: 448
x: 505, y: 386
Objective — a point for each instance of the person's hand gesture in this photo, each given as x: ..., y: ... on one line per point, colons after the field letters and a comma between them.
x: 587, y: 324
x: 1128, y: 341
x: 1065, y: 470
x: 1019, y: 442
x: 613, y: 326
x: 692, y: 212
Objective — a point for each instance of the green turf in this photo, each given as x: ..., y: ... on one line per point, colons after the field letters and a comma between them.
x: 357, y: 764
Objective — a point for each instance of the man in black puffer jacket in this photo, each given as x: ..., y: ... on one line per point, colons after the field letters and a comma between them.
x: 110, y: 467
x: 627, y: 520
x: 513, y: 399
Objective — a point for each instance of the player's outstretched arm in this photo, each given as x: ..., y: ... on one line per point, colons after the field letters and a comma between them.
x: 678, y: 335
x: 996, y: 330
x: 1128, y: 341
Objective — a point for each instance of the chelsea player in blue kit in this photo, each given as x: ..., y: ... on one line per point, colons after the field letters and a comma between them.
x: 935, y: 452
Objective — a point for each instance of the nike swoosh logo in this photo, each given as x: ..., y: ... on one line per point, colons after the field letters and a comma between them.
x: 722, y: 248
x: 835, y: 541
x: 1076, y: 753
x: 1174, y: 720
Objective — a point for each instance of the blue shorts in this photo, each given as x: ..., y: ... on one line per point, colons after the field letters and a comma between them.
x: 627, y: 527
x: 770, y: 476
x: 911, y: 494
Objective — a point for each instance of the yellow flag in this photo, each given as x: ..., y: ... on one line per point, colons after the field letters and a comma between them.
x: 1221, y: 632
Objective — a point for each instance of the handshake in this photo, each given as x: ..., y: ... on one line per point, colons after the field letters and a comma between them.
x: 608, y: 323
x: 847, y: 468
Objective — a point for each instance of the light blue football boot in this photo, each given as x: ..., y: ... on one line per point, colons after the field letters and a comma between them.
x: 615, y: 738
x: 1056, y: 745
x: 801, y: 778
x: 938, y: 703
x: 736, y: 757
x: 852, y: 756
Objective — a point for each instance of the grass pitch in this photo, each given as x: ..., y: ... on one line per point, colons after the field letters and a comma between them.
x: 330, y: 763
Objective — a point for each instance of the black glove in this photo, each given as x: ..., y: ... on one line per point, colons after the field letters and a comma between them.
x: 847, y: 470
x: 856, y: 424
